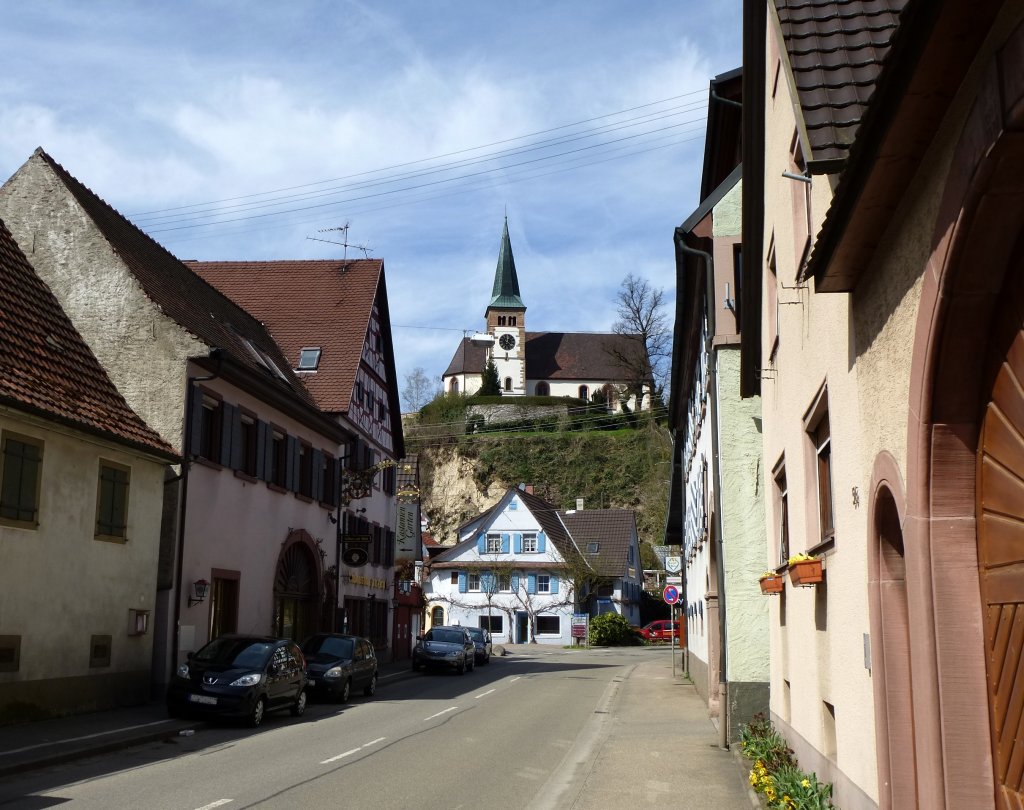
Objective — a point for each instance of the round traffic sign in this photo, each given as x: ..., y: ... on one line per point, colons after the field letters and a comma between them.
x: 671, y: 594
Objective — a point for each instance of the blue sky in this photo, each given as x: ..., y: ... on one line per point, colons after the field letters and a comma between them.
x: 413, y: 121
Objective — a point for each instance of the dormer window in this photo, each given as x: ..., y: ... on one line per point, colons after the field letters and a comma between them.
x: 309, y: 358
x: 593, y: 548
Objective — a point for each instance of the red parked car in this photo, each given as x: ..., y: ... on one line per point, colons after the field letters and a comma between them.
x: 660, y: 630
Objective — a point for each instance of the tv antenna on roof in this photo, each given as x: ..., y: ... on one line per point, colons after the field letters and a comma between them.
x: 344, y: 243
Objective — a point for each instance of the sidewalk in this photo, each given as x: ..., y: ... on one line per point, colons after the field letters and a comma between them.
x: 655, y: 747
x: 51, y: 742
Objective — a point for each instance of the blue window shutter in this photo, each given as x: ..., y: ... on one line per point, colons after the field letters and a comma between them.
x: 481, y: 543
x: 531, y: 583
x: 227, y: 410
x: 318, y: 475
x: 487, y: 583
x: 541, y: 542
x: 504, y: 544
x: 462, y: 582
x: 514, y: 583
x: 264, y: 451
x: 517, y: 540
x: 554, y: 584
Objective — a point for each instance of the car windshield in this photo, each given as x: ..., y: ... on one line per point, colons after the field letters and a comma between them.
x: 446, y: 636
x: 241, y: 653
x: 477, y: 634
x: 329, y: 646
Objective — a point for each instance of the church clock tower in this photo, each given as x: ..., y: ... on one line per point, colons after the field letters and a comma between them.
x: 506, y: 321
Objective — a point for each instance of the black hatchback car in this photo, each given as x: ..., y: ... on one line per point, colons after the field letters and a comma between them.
x: 482, y: 640
x: 240, y: 676
x: 338, y: 663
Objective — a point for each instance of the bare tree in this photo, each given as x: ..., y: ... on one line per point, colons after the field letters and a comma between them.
x: 640, y: 309
x: 419, y: 389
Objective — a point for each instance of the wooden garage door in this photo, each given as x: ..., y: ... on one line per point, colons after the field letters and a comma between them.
x: 1001, y: 562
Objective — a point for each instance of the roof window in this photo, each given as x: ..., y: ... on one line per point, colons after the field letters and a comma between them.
x: 593, y: 548
x: 309, y: 358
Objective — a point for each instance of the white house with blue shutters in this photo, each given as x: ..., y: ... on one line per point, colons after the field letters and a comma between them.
x: 518, y: 571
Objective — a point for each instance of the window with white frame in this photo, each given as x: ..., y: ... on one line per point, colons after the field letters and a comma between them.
x: 473, y: 581
x: 543, y: 583
x: 505, y: 582
x: 548, y: 625
x: 493, y: 544
x: 529, y: 544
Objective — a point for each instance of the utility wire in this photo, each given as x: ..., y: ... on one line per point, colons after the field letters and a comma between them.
x: 428, y: 159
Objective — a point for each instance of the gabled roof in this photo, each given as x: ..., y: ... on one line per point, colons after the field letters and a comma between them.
x: 836, y: 51
x: 468, y: 359
x: 612, y: 529
x: 582, y: 355
x: 47, y: 368
x: 545, y: 513
x: 505, y: 293
x: 178, y: 292
x: 324, y: 303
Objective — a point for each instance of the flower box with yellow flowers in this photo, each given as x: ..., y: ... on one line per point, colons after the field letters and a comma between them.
x: 771, y: 583
x: 805, y: 571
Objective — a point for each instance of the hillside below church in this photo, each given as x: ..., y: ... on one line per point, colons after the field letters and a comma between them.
x: 622, y: 469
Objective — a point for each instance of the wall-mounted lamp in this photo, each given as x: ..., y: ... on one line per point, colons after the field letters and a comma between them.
x: 199, y: 588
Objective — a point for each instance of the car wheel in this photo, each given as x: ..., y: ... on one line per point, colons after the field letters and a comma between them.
x: 256, y: 712
x: 371, y: 688
x: 462, y: 666
x: 345, y: 691
x: 487, y: 659
x: 299, y: 706
x: 415, y: 665
x: 472, y: 663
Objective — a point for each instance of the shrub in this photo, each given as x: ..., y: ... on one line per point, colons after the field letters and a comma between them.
x: 611, y: 630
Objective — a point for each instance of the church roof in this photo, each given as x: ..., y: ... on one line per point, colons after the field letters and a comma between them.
x: 505, y: 294
x: 559, y: 356
x: 580, y: 355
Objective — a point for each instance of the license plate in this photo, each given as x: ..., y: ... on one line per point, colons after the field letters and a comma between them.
x: 210, y: 701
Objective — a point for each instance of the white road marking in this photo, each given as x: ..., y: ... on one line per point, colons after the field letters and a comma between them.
x: 351, y: 751
x: 449, y: 709
x: 217, y: 803
x: 516, y: 678
x: 485, y: 694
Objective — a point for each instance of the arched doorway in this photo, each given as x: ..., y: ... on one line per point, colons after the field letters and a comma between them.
x: 958, y: 472
x: 890, y: 653
x: 437, y: 616
x: 297, y: 589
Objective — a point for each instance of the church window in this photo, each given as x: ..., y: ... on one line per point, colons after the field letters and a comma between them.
x: 512, y: 320
x: 543, y: 389
x: 508, y: 383
x: 584, y: 393
x: 454, y: 387
x: 501, y: 320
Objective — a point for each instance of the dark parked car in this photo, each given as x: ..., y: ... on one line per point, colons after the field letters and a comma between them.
x: 338, y: 663
x: 482, y: 641
x: 445, y: 647
x: 240, y: 676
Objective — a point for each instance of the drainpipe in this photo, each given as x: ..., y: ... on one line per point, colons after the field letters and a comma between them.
x: 218, y: 355
x: 710, y: 299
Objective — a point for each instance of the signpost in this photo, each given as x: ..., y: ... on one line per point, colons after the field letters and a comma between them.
x: 579, y: 627
x: 671, y: 596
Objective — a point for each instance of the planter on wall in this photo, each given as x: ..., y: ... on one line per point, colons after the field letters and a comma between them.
x: 773, y: 584
x: 805, y: 573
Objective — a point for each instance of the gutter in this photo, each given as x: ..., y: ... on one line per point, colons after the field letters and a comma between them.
x: 217, y: 354
x: 709, y: 347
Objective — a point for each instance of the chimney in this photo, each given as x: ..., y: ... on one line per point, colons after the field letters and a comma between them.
x: 579, y: 504
x: 529, y: 489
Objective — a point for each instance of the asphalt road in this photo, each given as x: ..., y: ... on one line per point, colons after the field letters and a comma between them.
x: 516, y: 733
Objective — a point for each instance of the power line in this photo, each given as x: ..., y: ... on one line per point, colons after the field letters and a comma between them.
x: 427, y: 159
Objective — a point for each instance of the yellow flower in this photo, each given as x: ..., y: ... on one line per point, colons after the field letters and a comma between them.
x: 806, y: 783
x: 801, y: 557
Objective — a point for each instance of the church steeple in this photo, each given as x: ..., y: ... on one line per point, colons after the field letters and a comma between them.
x: 505, y: 294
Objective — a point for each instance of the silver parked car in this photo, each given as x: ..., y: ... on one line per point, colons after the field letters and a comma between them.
x: 442, y: 646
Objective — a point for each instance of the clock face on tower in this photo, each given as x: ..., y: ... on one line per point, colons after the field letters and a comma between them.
x: 507, y: 342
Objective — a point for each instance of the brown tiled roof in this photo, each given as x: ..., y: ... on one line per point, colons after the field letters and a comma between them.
x: 560, y: 356
x: 180, y: 293
x: 579, y: 355
x: 611, y: 529
x: 309, y: 303
x: 836, y: 51
x: 46, y: 366
x: 468, y: 359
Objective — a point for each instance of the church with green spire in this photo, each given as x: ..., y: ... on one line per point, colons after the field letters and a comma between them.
x: 559, y: 364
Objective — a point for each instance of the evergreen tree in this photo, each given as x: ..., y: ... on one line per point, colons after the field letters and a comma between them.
x: 490, y: 386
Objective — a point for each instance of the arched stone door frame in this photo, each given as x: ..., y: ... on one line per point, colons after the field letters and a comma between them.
x: 979, y: 219
x: 308, y: 594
